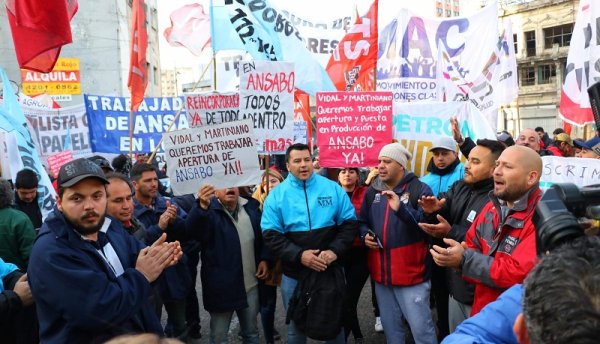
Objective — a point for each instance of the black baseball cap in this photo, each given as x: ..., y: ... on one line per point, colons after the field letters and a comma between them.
x: 77, y: 170
x: 101, y: 161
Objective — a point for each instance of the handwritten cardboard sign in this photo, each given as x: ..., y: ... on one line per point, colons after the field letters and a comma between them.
x: 222, y: 155
x: 267, y: 97
x: 352, y: 127
x: 212, y: 108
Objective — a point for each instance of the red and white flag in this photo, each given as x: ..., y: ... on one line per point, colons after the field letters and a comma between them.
x: 352, y: 64
x: 138, y: 75
x: 580, y: 72
x: 40, y: 29
x: 190, y: 28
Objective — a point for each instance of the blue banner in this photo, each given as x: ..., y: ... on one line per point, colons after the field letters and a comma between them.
x: 108, y: 121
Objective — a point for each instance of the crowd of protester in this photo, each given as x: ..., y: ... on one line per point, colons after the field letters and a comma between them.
x: 447, y: 254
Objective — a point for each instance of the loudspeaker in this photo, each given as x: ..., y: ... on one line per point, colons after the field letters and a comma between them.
x: 594, y: 93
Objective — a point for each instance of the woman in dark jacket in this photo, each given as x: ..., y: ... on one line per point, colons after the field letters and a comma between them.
x: 355, y: 264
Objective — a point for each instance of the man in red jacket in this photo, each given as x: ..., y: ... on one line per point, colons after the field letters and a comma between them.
x: 500, y: 245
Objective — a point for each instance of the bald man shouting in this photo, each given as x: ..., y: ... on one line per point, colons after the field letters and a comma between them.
x: 500, y: 244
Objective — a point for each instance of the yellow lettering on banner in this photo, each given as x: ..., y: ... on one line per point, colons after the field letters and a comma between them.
x: 421, y: 156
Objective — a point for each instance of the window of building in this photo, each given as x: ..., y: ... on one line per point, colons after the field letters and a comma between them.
x: 546, y: 73
x: 440, y: 12
x: 456, y: 14
x: 448, y: 13
x: 527, y: 76
x: 515, y: 41
x: 530, y: 42
x: 560, y: 35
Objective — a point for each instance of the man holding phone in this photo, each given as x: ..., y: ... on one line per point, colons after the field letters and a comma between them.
x: 398, y: 259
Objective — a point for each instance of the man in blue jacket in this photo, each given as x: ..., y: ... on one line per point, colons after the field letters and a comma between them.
x: 90, y: 279
x: 160, y: 216
x: 233, y: 259
x: 309, y: 222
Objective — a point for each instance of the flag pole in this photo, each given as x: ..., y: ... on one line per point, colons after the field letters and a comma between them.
x: 131, y: 134
x: 174, y: 118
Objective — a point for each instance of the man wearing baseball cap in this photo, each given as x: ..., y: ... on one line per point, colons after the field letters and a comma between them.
x: 562, y: 145
x: 398, y: 259
x: 90, y: 279
x: 589, y: 148
x: 444, y: 167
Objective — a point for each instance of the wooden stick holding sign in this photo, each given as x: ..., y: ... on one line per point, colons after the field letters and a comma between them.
x: 174, y: 118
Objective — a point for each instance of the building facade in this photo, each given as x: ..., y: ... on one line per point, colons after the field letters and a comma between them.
x: 542, y: 31
x: 101, y: 41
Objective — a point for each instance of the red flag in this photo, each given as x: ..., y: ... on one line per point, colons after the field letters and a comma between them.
x: 39, y: 30
x: 190, y: 28
x: 356, y: 55
x: 138, y: 75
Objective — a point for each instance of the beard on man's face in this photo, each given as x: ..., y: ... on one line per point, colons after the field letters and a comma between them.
x: 89, y: 223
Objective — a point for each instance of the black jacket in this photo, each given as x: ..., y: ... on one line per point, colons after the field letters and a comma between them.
x: 463, y: 204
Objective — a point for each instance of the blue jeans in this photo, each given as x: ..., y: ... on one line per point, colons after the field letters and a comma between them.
x: 294, y: 335
x: 410, y: 302
x: 219, y: 322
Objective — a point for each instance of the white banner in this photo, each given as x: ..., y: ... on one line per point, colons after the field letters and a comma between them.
x: 222, y: 155
x: 582, y: 69
x: 320, y: 30
x: 54, y: 130
x: 10, y: 159
x: 267, y: 97
x: 579, y: 171
x: 408, y: 49
x: 416, y: 125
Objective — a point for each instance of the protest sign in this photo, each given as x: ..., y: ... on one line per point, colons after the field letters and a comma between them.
x: 352, y: 127
x: 108, y: 119
x: 579, y: 171
x: 53, y: 129
x: 416, y: 125
x: 267, y: 97
x: 222, y: 155
x: 57, y: 160
x: 212, y: 108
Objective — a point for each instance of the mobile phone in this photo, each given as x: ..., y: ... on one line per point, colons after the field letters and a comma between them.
x: 370, y: 232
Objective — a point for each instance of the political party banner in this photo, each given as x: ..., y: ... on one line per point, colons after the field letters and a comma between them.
x: 408, y: 49
x: 452, y: 86
x: 416, y: 125
x: 321, y: 31
x: 212, y: 108
x: 352, y: 127
x: 582, y: 69
x: 579, y: 171
x: 55, y: 130
x: 352, y: 64
x: 222, y: 155
x: 267, y: 35
x: 63, y: 79
x: 108, y: 121
x: 267, y: 97
x: 57, y: 160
